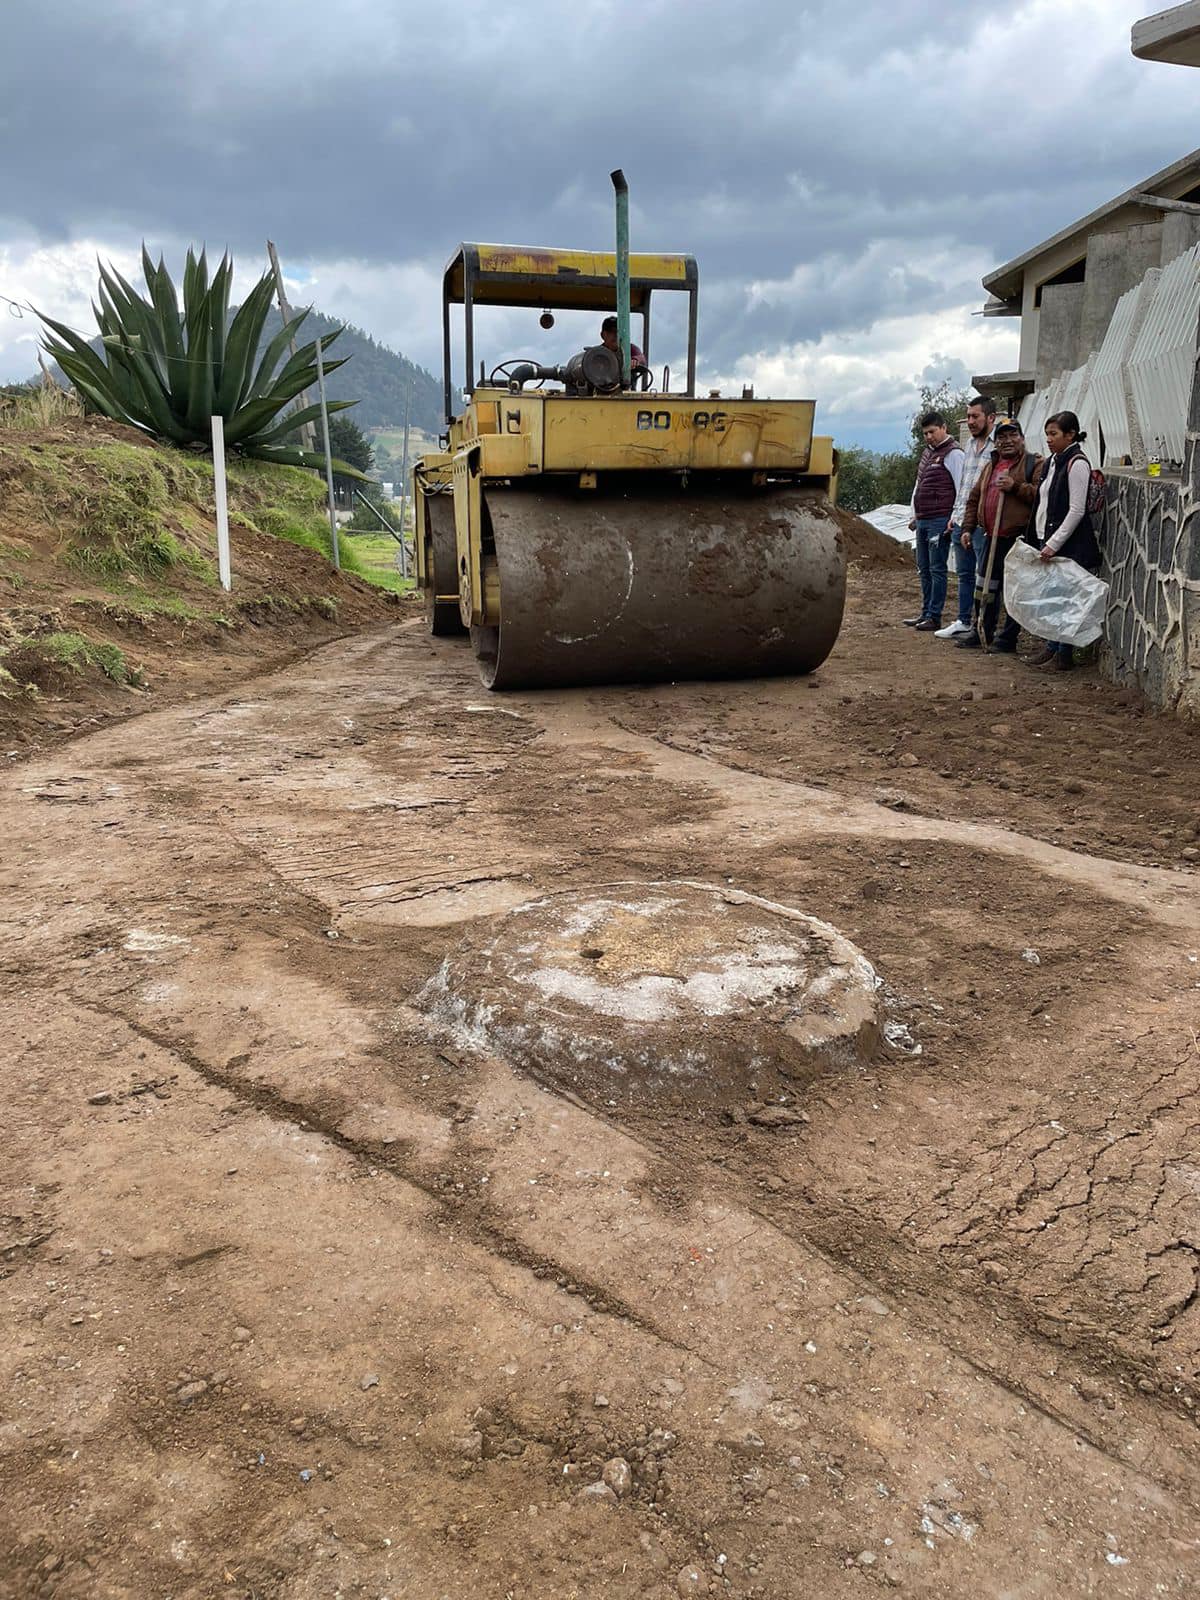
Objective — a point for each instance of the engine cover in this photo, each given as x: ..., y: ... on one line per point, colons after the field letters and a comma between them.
x: 596, y: 370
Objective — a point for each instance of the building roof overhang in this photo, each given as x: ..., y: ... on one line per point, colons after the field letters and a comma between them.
x: 1172, y: 36
x: 1005, y: 283
x: 1008, y: 383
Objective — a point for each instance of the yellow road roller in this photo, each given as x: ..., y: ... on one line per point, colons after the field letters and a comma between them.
x: 587, y: 524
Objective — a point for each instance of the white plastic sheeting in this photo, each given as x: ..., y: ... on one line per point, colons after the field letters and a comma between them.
x: 1056, y: 599
x: 1135, y: 389
x: 892, y: 520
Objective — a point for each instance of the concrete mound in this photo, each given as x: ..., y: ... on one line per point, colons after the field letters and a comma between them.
x: 640, y: 993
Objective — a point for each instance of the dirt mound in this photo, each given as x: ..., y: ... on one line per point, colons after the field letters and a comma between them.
x: 65, y: 429
x: 866, y: 545
x: 650, y: 994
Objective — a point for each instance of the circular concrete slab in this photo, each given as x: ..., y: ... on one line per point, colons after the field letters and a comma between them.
x: 651, y: 991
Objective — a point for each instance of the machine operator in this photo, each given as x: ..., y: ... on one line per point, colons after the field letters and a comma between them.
x: 608, y: 338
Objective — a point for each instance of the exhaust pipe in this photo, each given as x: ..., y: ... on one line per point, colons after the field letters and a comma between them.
x: 622, y: 191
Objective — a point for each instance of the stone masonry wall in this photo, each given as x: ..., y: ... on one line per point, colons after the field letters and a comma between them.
x: 1151, y: 540
x: 1144, y: 638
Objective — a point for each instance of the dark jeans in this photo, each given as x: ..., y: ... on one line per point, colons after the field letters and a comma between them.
x: 988, y: 592
x: 933, y: 544
x: 966, y: 573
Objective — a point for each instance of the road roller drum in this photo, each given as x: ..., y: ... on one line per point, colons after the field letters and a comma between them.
x: 644, y: 582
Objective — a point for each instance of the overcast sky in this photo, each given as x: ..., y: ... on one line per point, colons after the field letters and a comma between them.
x: 844, y: 172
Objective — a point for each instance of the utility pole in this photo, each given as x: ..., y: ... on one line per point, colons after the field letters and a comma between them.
x: 307, y: 437
x: 402, y: 553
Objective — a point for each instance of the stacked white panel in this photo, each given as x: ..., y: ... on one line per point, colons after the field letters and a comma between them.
x: 1108, y: 368
x: 1162, y: 360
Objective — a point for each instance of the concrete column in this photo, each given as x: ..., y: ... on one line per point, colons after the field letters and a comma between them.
x: 1180, y: 231
x: 1058, y: 331
x: 1115, y: 262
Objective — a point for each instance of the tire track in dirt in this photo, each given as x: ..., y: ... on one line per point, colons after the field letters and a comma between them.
x: 482, y: 1229
x: 1007, y: 1362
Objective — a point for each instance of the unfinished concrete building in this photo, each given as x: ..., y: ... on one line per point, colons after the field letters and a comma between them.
x: 1066, y: 288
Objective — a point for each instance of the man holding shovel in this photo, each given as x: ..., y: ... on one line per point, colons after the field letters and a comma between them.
x: 1000, y: 504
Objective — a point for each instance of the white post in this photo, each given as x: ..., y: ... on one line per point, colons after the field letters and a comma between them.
x: 218, y: 438
x: 333, y: 528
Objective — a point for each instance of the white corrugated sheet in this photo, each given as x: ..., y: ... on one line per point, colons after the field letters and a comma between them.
x: 1163, y: 356
x: 1043, y: 404
x: 1086, y: 410
x: 1109, y: 367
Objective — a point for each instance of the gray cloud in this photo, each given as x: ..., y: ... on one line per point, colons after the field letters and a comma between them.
x: 854, y: 163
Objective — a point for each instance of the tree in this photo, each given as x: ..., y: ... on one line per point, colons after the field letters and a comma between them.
x: 857, y: 483
x: 364, y: 519
x: 894, y: 479
x: 897, y: 472
x: 952, y: 403
x: 349, y: 443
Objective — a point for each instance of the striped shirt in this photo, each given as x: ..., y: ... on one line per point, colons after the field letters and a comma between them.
x: 976, y: 455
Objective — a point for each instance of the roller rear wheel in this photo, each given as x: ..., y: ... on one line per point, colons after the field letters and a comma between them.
x: 441, y: 565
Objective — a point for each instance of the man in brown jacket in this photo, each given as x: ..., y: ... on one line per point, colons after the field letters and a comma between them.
x: 1000, y: 505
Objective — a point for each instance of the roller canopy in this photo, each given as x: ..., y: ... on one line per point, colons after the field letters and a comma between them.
x: 586, y: 280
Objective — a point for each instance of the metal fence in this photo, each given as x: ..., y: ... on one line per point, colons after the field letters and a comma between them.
x: 1132, y: 394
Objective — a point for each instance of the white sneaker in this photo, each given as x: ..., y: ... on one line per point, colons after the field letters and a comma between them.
x: 956, y: 630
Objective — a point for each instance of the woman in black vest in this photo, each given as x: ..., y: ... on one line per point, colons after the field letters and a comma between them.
x: 1061, y: 525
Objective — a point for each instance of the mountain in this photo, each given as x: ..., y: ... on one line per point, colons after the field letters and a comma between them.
x: 378, y: 378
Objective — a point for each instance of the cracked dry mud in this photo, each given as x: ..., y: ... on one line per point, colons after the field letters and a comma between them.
x: 304, y: 1297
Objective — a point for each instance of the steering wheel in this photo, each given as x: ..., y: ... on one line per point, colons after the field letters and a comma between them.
x: 640, y: 378
x: 502, y: 368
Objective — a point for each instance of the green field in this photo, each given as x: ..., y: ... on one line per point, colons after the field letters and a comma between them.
x: 388, y: 445
x: 376, y: 557
x: 392, y: 440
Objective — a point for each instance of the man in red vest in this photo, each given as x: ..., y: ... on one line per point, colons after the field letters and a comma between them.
x: 938, y: 476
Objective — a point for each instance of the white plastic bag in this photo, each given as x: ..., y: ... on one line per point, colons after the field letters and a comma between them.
x: 1055, y: 600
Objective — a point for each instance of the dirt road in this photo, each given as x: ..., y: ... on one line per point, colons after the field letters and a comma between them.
x: 305, y: 1297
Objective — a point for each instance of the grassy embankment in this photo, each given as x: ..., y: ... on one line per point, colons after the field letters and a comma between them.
x: 107, y: 551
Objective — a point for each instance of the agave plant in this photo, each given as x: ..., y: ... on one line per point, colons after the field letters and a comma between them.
x: 170, y: 372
